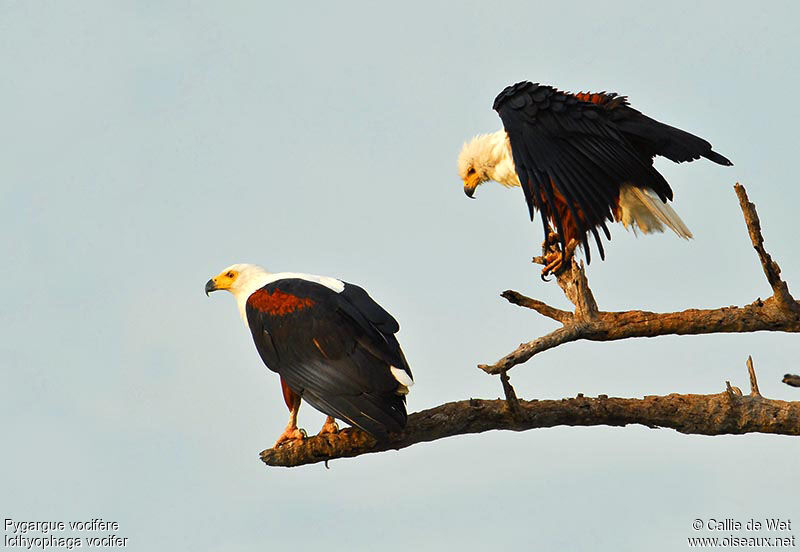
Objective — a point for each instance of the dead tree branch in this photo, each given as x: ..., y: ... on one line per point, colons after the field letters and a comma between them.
x: 753, y: 381
x: 780, y: 312
x: 728, y: 412
x: 771, y: 269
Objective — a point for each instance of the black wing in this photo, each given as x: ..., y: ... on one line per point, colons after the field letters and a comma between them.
x: 334, y: 349
x: 563, y: 145
x: 651, y: 137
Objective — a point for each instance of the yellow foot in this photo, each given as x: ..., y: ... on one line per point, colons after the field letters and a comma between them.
x: 557, y: 261
x: 554, y: 262
x: 290, y: 434
x: 329, y: 426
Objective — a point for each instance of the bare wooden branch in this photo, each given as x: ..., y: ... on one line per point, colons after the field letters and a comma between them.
x: 576, y: 288
x: 753, y: 381
x: 611, y: 326
x: 791, y: 379
x: 777, y: 313
x: 771, y: 269
x: 732, y: 392
x: 540, y: 307
x: 511, y: 395
x: 718, y: 414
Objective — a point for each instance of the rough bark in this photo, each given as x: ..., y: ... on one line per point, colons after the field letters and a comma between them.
x: 768, y: 315
x: 728, y: 412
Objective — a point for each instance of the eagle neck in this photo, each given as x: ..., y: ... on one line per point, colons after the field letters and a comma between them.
x: 245, y: 289
x: 504, y: 171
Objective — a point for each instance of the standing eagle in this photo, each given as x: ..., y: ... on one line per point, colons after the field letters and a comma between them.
x: 581, y: 159
x: 331, y: 343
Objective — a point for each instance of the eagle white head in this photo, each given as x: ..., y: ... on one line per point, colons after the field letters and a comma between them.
x: 487, y: 157
x: 241, y: 280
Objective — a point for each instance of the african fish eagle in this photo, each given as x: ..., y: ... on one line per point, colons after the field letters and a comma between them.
x: 581, y: 159
x: 331, y: 344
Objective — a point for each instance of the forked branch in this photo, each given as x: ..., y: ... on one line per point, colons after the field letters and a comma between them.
x: 780, y: 312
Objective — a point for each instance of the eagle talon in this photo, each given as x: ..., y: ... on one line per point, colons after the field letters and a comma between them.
x: 554, y: 264
x: 557, y: 261
x: 330, y: 427
x: 290, y: 434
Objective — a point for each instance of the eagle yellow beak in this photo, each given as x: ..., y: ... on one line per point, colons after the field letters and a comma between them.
x: 222, y: 281
x: 470, y: 183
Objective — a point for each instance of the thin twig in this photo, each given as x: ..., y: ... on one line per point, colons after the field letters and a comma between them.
x: 511, y: 395
x: 753, y: 381
x: 540, y: 307
x: 771, y: 269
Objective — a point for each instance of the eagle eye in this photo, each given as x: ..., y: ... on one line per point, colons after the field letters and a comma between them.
x: 470, y: 171
x: 229, y: 275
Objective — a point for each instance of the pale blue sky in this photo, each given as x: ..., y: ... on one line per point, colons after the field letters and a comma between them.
x: 147, y: 145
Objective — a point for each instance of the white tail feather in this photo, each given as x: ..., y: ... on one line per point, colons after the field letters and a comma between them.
x: 645, y: 209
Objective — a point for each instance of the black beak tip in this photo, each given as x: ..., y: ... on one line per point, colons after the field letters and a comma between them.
x: 470, y: 192
x: 210, y: 287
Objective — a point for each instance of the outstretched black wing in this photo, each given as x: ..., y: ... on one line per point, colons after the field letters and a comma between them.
x: 564, y: 146
x: 651, y: 137
x: 334, y: 349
